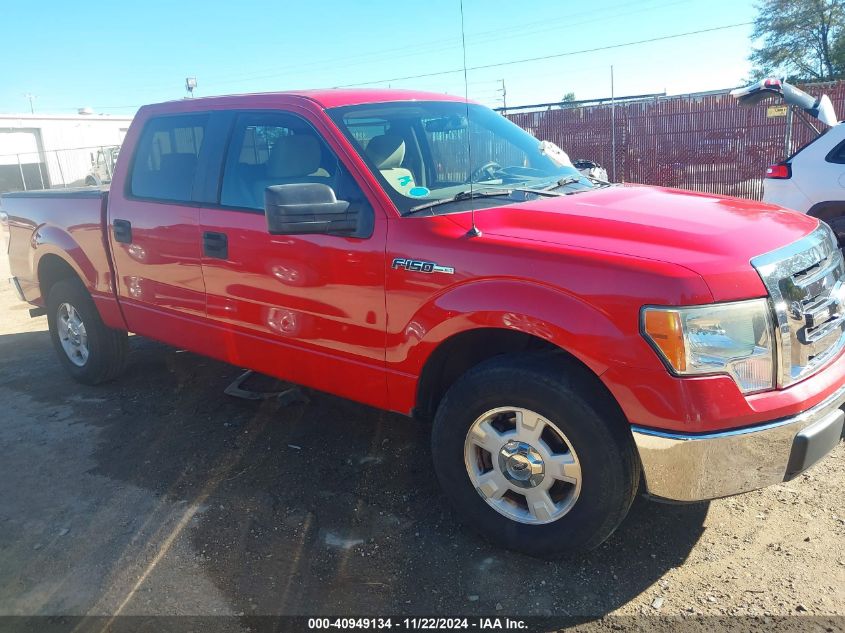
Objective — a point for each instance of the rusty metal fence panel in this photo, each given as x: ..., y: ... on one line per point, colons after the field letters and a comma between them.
x: 700, y: 142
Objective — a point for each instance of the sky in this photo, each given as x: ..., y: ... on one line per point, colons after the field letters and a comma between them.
x: 117, y: 56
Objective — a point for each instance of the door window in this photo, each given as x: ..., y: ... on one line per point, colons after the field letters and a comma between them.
x: 166, y: 159
x: 269, y: 149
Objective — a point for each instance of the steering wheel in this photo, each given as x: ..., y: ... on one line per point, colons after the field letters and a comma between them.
x: 487, y: 170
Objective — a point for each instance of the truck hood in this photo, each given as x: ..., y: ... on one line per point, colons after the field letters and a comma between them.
x: 713, y: 236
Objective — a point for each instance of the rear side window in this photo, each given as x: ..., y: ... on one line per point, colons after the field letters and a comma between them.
x: 166, y: 159
x: 837, y: 154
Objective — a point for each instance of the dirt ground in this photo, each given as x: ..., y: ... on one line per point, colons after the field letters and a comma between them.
x: 158, y: 494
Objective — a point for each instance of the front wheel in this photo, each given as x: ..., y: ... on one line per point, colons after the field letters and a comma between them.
x: 531, y: 459
x: 90, y: 351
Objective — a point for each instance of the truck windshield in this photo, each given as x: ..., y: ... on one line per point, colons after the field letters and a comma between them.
x: 425, y: 152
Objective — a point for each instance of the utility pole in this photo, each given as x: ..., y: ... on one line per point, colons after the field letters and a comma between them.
x: 31, y: 98
x: 504, y: 92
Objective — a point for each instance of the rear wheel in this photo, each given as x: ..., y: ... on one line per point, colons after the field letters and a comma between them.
x: 90, y: 351
x: 531, y: 459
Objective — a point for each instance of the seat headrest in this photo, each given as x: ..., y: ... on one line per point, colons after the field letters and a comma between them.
x: 386, y: 151
x: 175, y: 177
x: 294, y: 157
x: 179, y: 164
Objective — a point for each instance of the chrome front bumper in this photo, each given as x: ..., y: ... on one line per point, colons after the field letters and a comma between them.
x: 680, y: 467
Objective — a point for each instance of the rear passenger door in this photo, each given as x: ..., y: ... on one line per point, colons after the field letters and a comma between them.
x: 306, y: 308
x: 154, y: 228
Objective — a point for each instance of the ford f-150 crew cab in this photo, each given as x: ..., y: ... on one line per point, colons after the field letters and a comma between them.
x: 573, y: 341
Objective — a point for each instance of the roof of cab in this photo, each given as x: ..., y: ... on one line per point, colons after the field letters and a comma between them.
x: 336, y: 97
x: 329, y: 98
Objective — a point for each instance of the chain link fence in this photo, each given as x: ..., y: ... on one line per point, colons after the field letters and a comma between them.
x: 61, y: 168
x: 705, y: 142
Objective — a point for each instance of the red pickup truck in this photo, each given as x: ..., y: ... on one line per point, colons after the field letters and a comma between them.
x: 573, y: 341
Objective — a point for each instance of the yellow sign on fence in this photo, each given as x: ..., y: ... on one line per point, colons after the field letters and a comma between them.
x: 776, y: 110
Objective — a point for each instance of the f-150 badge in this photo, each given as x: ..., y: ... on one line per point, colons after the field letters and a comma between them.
x: 419, y: 266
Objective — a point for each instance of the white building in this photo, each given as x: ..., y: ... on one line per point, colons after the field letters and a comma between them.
x: 40, y: 151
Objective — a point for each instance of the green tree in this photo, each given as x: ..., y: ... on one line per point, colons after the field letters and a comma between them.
x: 803, y: 40
x: 569, y: 97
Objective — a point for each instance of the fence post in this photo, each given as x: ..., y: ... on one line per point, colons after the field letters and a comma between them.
x: 612, y: 127
x: 20, y: 169
x: 40, y: 171
x: 61, y: 173
x: 787, y: 137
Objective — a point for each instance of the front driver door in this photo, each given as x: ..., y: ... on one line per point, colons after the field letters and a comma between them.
x: 306, y: 308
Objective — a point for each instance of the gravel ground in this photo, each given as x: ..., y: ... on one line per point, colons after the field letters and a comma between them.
x: 158, y: 494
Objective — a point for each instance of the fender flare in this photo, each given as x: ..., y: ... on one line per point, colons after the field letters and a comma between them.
x: 55, y: 242
x: 566, y: 321
x: 50, y: 240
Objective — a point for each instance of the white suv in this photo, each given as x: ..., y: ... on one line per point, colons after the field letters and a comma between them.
x: 812, y: 180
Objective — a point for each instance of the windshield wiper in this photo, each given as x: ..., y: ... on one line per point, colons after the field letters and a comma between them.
x: 574, y: 180
x: 479, y: 193
x: 599, y: 181
x: 563, y: 182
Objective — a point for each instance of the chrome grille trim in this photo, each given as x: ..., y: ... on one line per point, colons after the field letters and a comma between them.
x: 806, y: 285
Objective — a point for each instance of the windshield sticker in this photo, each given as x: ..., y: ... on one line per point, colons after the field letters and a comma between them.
x: 419, y: 192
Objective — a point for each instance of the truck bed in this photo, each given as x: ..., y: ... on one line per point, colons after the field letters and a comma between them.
x: 43, y: 225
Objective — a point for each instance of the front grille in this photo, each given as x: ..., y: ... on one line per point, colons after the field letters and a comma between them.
x: 806, y: 283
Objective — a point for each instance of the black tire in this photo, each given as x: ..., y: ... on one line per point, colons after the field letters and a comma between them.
x: 107, y: 348
x: 562, y: 393
x: 838, y: 226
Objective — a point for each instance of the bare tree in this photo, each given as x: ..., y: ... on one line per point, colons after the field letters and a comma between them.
x: 800, y: 39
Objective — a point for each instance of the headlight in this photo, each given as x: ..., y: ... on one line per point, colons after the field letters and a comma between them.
x: 727, y: 338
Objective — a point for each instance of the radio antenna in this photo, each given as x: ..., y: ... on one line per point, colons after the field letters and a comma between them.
x: 473, y: 232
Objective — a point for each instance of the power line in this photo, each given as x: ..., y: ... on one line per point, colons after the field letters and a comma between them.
x: 512, y: 31
x: 553, y: 56
x: 516, y: 61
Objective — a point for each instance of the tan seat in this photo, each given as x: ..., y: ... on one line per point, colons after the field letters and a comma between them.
x: 387, y: 153
x: 293, y: 159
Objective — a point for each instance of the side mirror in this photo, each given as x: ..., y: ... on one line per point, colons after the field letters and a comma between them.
x: 306, y: 208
